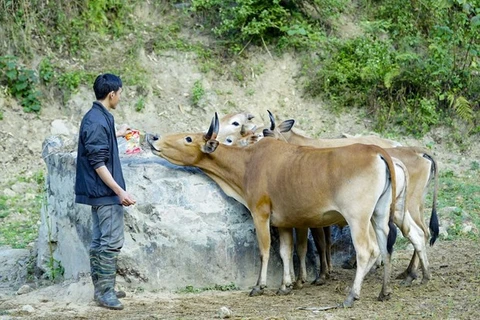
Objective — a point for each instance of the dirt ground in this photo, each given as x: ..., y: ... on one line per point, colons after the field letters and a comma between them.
x: 453, y: 293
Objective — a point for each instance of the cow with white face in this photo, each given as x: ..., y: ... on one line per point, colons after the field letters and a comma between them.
x: 235, y: 127
x: 290, y: 186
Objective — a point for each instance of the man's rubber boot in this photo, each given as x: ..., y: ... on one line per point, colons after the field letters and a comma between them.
x: 106, y: 273
x: 93, y: 272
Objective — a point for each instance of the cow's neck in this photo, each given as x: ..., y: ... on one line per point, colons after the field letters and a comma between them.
x: 226, y: 166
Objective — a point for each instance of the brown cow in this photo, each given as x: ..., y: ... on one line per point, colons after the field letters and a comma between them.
x: 421, y: 167
x: 290, y: 186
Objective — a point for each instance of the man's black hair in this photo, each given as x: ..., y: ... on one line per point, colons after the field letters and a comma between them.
x: 106, y: 83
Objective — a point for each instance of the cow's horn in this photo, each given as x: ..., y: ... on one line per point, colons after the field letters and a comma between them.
x: 272, y: 120
x: 209, y: 133
x: 216, y: 127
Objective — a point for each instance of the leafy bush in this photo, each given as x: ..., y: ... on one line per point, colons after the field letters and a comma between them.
x: 242, y: 22
x: 65, y: 25
x: 46, y: 71
x: 140, y: 104
x: 21, y: 83
x: 415, y: 65
x: 70, y: 81
x: 197, y: 92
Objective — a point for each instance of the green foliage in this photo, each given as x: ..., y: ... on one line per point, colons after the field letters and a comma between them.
x: 259, y: 22
x: 70, y: 81
x: 19, y: 214
x: 475, y: 166
x: 66, y: 25
x: 55, y: 270
x: 140, y: 104
x: 21, y: 230
x: 198, y: 92
x: 415, y: 65
x: 46, y: 71
x: 21, y: 83
x: 460, y: 192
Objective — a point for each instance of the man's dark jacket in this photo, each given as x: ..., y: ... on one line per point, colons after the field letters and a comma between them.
x: 97, y: 146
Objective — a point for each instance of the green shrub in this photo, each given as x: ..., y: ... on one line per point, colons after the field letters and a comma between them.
x: 415, y: 66
x: 46, y: 70
x: 197, y: 92
x: 21, y: 83
x: 70, y: 81
x: 140, y: 104
x: 288, y: 24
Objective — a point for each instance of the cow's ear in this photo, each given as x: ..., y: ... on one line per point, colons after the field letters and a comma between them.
x: 210, y: 146
x: 286, y: 125
x: 268, y: 133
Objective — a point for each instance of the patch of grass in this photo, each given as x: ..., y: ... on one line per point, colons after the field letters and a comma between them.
x: 140, y: 104
x: 198, y: 92
x: 462, y: 193
x: 401, y: 243
x: 70, y: 81
x: 19, y: 215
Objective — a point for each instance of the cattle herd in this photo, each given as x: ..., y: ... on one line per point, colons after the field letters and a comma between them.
x: 290, y: 181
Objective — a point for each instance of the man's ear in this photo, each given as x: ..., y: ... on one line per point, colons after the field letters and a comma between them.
x: 210, y: 146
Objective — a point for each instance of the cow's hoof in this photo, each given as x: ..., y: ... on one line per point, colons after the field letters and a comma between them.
x: 298, y: 285
x: 384, y: 296
x: 284, y: 292
x: 348, y: 303
x: 319, y: 281
x: 256, y: 291
x: 407, y: 282
x: 402, y: 275
x: 348, y: 265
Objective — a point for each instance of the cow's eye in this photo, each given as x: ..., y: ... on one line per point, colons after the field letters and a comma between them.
x: 235, y: 123
x: 229, y: 141
x: 188, y: 139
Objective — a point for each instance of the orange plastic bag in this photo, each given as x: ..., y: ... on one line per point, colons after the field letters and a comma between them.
x: 133, y: 142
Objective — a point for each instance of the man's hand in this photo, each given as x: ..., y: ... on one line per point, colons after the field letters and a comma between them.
x: 126, y: 199
x: 123, y: 130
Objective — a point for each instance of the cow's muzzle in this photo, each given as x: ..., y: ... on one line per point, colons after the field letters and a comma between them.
x: 150, y: 138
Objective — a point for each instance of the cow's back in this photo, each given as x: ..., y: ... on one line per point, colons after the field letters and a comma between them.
x: 311, y: 186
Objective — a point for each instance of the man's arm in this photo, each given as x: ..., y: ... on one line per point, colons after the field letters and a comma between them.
x: 106, y: 176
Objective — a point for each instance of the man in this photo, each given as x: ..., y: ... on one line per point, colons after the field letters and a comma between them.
x: 99, y: 183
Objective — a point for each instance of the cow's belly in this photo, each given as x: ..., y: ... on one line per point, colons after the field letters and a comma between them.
x: 306, y: 219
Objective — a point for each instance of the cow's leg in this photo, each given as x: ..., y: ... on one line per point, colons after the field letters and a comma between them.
x: 286, y: 253
x: 382, y: 235
x: 410, y: 273
x: 302, y: 243
x: 261, y: 220
x: 386, y: 233
x: 328, y: 252
x: 367, y: 253
x: 417, y: 238
x: 318, y: 235
x: 416, y: 234
x: 416, y: 210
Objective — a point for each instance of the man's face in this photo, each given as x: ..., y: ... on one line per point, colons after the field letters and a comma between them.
x: 115, y: 98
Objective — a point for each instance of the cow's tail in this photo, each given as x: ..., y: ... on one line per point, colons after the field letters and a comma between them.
x: 434, y: 224
x: 392, y: 232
